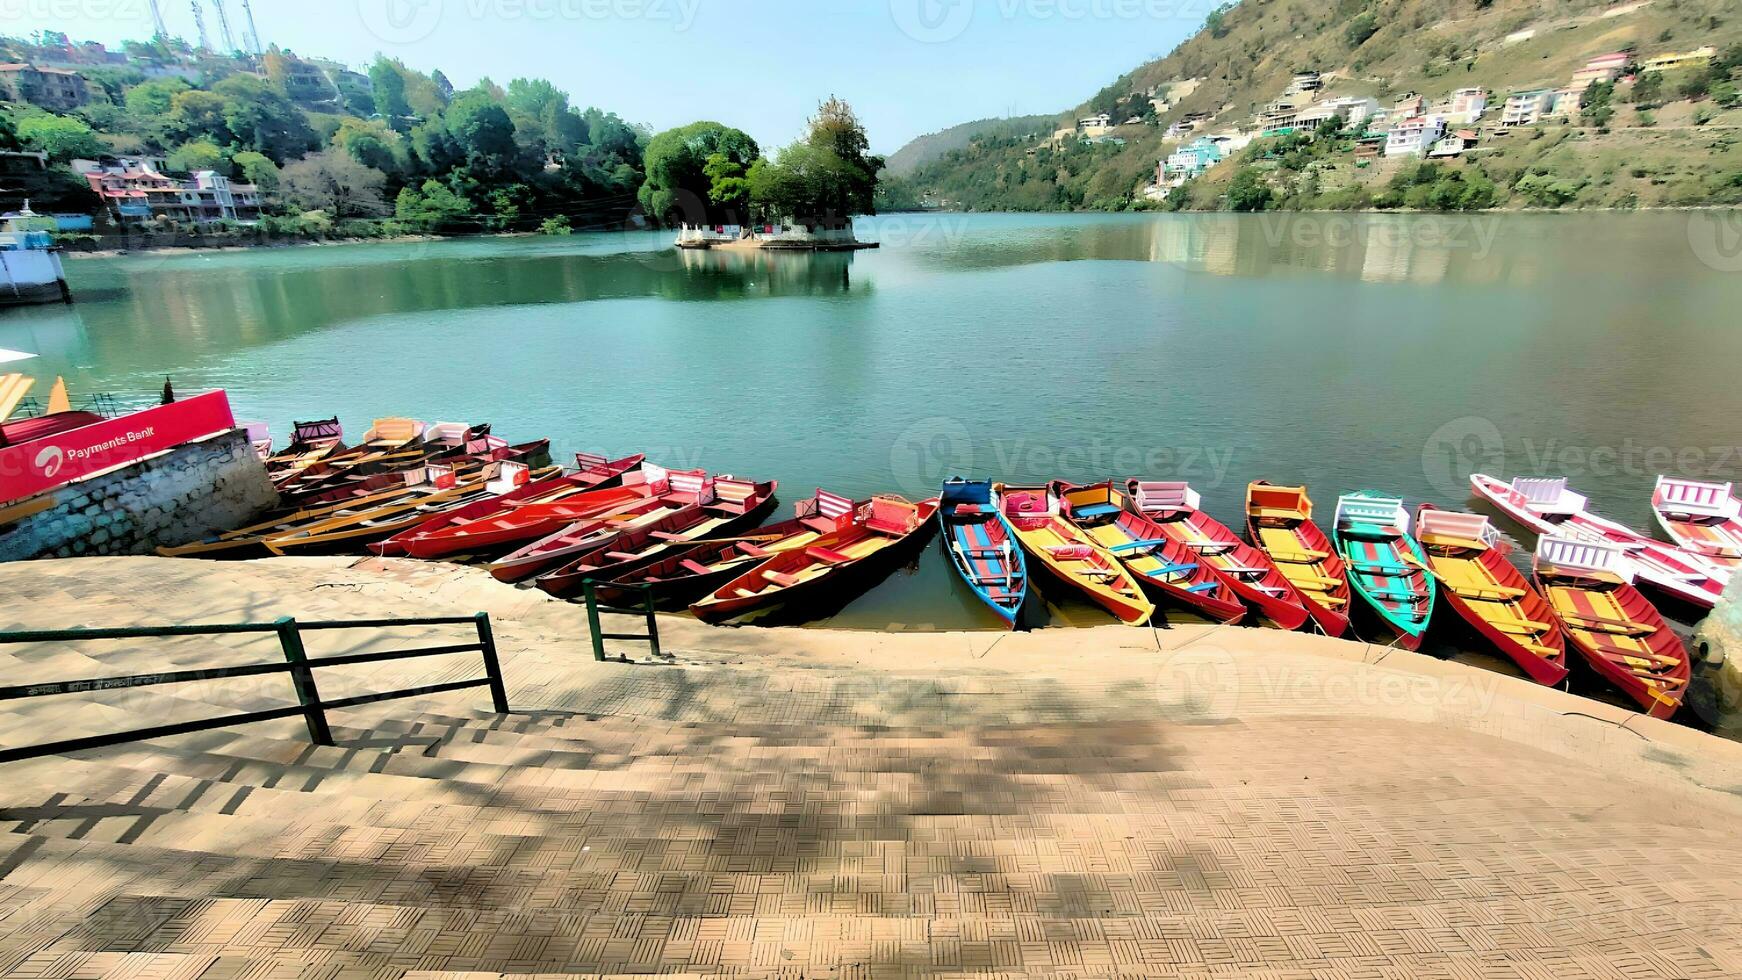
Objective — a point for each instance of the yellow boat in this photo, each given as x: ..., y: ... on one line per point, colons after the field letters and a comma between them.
x: 1071, y: 555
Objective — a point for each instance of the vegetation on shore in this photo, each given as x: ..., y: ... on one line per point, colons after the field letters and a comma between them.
x: 1669, y: 138
x: 410, y: 155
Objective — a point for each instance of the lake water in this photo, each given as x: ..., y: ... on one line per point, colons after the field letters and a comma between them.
x: 1388, y: 352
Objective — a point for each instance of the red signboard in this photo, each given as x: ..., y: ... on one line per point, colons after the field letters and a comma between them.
x: 53, y: 461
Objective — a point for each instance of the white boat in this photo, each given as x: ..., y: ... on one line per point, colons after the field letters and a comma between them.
x: 1547, y: 506
x: 1704, y: 518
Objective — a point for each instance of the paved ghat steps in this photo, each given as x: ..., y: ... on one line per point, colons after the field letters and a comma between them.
x: 805, y: 804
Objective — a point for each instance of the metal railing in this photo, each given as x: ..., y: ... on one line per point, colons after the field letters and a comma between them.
x: 297, y: 663
x: 594, y: 605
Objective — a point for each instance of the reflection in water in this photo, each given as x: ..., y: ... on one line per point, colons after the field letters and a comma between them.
x: 774, y: 272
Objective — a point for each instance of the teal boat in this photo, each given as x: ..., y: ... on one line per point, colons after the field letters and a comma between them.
x: 1386, y: 566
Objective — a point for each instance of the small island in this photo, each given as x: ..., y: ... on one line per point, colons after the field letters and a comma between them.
x: 713, y: 184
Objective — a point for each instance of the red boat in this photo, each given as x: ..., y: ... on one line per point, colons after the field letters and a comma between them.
x: 526, y: 452
x: 515, y: 522
x: 877, y: 534
x: 1279, y: 522
x: 1589, y: 586
x: 592, y: 475
x: 1469, y: 562
x: 658, y: 492
x: 1174, y: 507
x: 736, y: 505
x: 689, y: 570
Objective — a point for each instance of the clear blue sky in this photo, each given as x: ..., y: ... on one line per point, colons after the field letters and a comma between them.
x: 908, y: 66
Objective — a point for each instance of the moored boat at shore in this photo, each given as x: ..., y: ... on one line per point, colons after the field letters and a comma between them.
x: 736, y: 505
x: 882, y: 531
x: 439, y: 490
x: 1175, y: 509
x: 1547, y: 506
x: 1385, y: 565
x: 653, y: 492
x: 516, y: 522
x: 982, y: 548
x: 1279, y: 522
x: 1160, y: 564
x: 1615, y: 629
x: 1704, y: 518
x: 694, y: 569
x: 1477, y: 580
x: 1070, y: 554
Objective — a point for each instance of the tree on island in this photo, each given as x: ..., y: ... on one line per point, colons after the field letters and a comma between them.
x: 679, y: 186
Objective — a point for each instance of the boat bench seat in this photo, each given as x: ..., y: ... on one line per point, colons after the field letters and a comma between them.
x: 1364, y: 530
x: 1278, y: 514
x: 1135, y: 545
x: 753, y: 550
x: 827, y: 555
x: 822, y: 525
x: 1069, y: 551
x: 1201, y: 587
x: 781, y: 578
x: 1176, y: 568
x: 666, y: 535
x: 1095, y: 510
x: 690, y: 564
x: 621, y: 555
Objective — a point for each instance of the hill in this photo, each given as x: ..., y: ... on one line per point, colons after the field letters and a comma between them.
x: 1246, y: 54
x: 922, y: 150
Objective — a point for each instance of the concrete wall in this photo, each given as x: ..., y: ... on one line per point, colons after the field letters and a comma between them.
x: 183, y: 495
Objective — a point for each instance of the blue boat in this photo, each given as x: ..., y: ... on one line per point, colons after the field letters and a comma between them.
x: 982, y: 546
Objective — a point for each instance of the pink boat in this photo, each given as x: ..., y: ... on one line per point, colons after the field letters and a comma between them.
x: 1547, y: 506
x: 1704, y: 518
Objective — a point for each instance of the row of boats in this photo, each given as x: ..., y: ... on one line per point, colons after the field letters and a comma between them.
x: 632, y: 530
x: 1127, y: 545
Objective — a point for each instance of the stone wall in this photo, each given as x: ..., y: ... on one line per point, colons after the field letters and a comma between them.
x: 1717, y: 648
x: 182, y: 495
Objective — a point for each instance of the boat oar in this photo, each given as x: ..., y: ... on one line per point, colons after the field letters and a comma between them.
x: 743, y: 537
x: 1626, y: 626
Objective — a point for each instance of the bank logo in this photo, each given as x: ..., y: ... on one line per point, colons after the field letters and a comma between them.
x: 927, y: 452
x: 400, y: 21
x: 1716, y: 238
x: 932, y: 21
x: 50, y: 460
x: 1460, y: 447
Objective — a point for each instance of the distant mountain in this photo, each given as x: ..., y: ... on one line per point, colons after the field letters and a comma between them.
x: 1246, y: 54
x: 922, y: 150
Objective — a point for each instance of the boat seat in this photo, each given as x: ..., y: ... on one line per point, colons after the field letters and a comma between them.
x: 621, y: 555
x: 1244, y: 570
x: 1175, y: 568
x: 968, y: 509
x: 1201, y: 587
x: 1278, y: 514
x: 1491, y: 593
x: 1372, y: 530
x: 781, y: 578
x: 1452, y: 541
x: 821, y: 525
x: 1094, y: 510
x: 690, y: 564
x: 1413, y: 596
x: 666, y: 536
x: 745, y: 593
x: 1134, y: 545
x: 1069, y: 551
x: 754, y: 551
x: 827, y: 555
x: 1218, y: 545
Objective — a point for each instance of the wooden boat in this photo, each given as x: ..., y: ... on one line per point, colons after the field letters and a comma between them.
x: 1175, y: 508
x: 694, y: 569
x: 514, y: 523
x: 592, y: 475
x: 1704, y: 518
x: 1070, y: 554
x: 533, y: 454
x: 1474, y: 575
x: 1279, y: 522
x: 393, y: 443
x: 1385, y: 565
x: 655, y: 493
x: 351, y: 532
x: 310, y: 442
x: 250, y: 541
x: 1589, y: 587
x: 881, y: 532
x: 736, y: 505
x: 1159, y: 563
x: 259, y: 438
x: 1547, y: 506
x: 982, y: 547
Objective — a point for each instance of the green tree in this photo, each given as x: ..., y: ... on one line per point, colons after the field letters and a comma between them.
x: 196, y: 115
x: 677, y: 186
x: 196, y: 156
x: 154, y: 97
x: 728, y: 188
x: 9, y: 134
x: 483, y: 131
x: 370, y: 143
x: 62, y: 137
x: 432, y: 207
x: 1249, y: 192
x: 1361, y: 27
x: 256, y: 169
x: 388, y: 85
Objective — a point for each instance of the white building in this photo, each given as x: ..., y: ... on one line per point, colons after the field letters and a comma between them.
x: 1413, y: 137
x: 1527, y: 108
x: 1350, y: 110
x: 1095, y: 125
x: 1465, y: 106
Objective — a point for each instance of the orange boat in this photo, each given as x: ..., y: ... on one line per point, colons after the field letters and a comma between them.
x: 1279, y: 522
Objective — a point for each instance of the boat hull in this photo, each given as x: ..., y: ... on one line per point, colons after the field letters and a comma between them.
x: 1576, y: 608
x: 1303, y: 553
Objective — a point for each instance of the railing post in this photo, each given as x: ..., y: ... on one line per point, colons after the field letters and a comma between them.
x: 652, y: 624
x: 492, y: 667
x: 593, y: 620
x: 307, y: 694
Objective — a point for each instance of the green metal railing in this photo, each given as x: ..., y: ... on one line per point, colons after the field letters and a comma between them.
x: 594, y: 605
x: 297, y: 663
